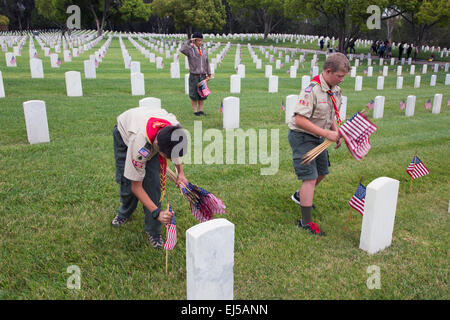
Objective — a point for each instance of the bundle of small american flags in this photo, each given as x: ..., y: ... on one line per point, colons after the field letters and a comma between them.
x: 356, y: 132
x: 204, y: 205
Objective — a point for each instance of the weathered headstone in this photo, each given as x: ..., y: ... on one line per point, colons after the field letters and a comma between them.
x: 210, y: 260
x: 379, y: 214
x: 36, y: 121
x: 231, y: 113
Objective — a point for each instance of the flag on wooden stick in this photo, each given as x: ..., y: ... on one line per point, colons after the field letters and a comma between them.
x: 358, y: 199
x: 171, y: 236
x: 416, y: 168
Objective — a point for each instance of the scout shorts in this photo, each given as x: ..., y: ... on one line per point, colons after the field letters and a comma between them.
x: 301, y: 143
x: 194, y: 79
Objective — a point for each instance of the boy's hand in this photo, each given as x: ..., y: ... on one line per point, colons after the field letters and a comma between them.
x: 165, y: 217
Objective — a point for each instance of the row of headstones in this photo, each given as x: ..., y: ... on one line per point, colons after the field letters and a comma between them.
x: 399, y: 84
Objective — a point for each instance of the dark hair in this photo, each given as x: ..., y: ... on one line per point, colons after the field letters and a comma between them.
x: 197, y: 35
x: 170, y: 137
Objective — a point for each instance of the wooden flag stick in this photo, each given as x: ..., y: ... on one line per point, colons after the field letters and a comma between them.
x: 348, y: 219
x: 167, y: 251
x: 414, y: 167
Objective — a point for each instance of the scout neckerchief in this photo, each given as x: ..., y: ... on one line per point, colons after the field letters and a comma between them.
x: 333, y: 99
x: 152, y: 128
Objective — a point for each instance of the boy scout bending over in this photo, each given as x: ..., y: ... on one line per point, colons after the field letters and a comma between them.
x: 143, y: 141
x: 314, y: 120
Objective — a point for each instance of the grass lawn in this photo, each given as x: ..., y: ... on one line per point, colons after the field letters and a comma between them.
x: 57, y: 199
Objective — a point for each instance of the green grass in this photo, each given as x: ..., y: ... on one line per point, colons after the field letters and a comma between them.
x: 57, y: 199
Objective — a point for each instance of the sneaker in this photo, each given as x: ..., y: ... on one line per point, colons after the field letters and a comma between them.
x: 201, y: 113
x: 155, y: 240
x: 117, y: 221
x: 296, y: 198
x: 197, y: 113
x: 312, y: 227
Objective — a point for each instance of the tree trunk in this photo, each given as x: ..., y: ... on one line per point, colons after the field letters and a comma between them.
x: 189, y: 31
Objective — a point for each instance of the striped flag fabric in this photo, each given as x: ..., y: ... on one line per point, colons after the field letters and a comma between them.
x: 402, y: 105
x: 416, y: 168
x: 171, y: 238
x: 371, y: 105
x: 221, y: 106
x: 282, y: 105
x: 448, y: 103
x: 13, y: 60
x: 428, y: 104
x: 358, y: 199
x: 356, y: 132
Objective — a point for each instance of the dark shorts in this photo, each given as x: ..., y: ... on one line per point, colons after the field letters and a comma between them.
x: 301, y: 143
x: 194, y: 79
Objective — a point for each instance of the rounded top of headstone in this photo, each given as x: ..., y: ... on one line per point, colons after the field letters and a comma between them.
x: 208, y: 226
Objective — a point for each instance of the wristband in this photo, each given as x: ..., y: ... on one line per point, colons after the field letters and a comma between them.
x: 155, y: 214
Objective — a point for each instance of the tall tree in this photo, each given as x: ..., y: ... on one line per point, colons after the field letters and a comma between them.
x: 189, y: 15
x: 269, y: 13
x: 134, y: 10
x: 422, y: 15
x: 349, y: 17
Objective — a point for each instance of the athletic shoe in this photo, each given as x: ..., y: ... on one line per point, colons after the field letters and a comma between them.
x: 201, y: 113
x: 312, y: 227
x: 197, y: 113
x: 155, y: 240
x: 296, y: 198
x: 119, y: 221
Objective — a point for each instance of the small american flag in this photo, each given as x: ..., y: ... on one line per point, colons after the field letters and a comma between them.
x: 282, y: 105
x: 371, y: 104
x: 365, y: 71
x: 58, y: 62
x: 356, y: 132
x: 171, y: 238
x: 428, y: 104
x: 417, y: 169
x: 221, y: 106
x: 448, y: 103
x: 358, y: 199
x: 35, y: 54
x: 13, y: 60
x: 402, y: 105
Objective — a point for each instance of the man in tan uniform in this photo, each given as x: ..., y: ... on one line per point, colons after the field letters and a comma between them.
x: 314, y: 120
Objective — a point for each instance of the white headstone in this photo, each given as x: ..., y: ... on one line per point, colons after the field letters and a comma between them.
x: 399, y: 71
x: 151, y: 103
x: 135, y: 66
x: 231, y: 112
x: 186, y: 83
x: 381, y: 61
x: 412, y: 70
x: 174, y: 70
x: 293, y: 72
x: 37, y: 71
x: 358, y: 83
x: 353, y: 72
x: 410, y: 105
x: 433, y: 80
x: 67, y: 56
x: 343, y: 108
x: 210, y: 260
x: 378, y: 109
x: 399, y: 82
x: 278, y: 64
x: 241, y: 70
x: 258, y: 63
x: 89, y: 70
x: 159, y: 63
x: 10, y: 59
x: 73, y: 84
x: 436, y: 67
x: 306, y: 80
x: 235, y: 83
x: 315, y: 71
x: 268, y: 70
x: 291, y: 102
x: 370, y: 71
x: 137, y: 84
x: 437, y: 103
x: 424, y: 69
x: 417, y: 82
x: 385, y: 71
x: 379, y: 214
x: 54, y: 60
x: 380, y: 83
x: 447, y: 79
x: 2, y: 88
x: 273, y: 84
x: 36, y: 121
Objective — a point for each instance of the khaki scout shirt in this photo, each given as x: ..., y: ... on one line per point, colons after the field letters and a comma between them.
x: 198, y: 64
x: 316, y: 105
x: 132, y: 127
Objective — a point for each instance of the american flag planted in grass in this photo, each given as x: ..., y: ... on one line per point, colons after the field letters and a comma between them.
x: 204, y: 205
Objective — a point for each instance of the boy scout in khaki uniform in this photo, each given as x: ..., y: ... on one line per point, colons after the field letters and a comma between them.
x: 142, y: 143
x: 314, y: 120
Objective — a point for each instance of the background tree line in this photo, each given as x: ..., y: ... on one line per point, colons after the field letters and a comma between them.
x: 412, y: 21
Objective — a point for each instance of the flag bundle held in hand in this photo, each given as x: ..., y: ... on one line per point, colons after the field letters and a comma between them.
x: 356, y: 132
x: 417, y: 169
x: 204, y: 205
x: 171, y: 237
x: 358, y: 199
